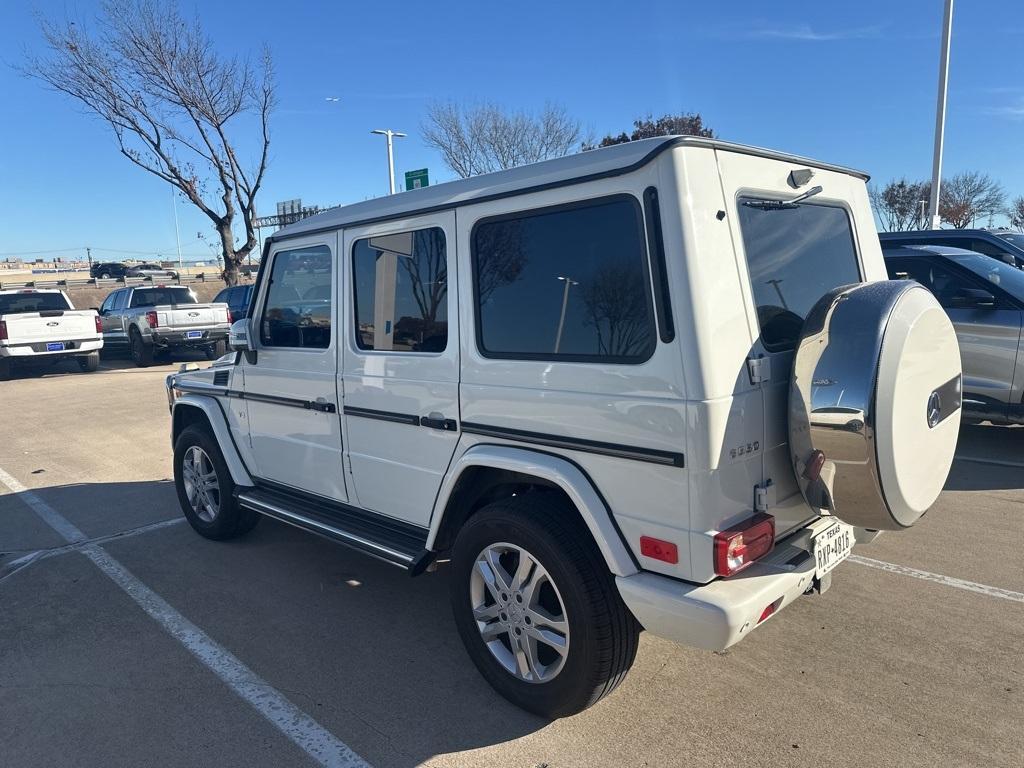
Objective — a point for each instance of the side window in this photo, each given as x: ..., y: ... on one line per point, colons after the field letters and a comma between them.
x: 565, y: 283
x: 988, y: 248
x: 950, y: 288
x: 121, y: 300
x: 401, y: 291
x: 108, y: 303
x: 297, y: 311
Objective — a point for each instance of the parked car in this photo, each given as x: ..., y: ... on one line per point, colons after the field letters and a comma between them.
x: 42, y: 325
x: 237, y: 298
x: 151, y: 270
x: 985, y: 300
x: 1004, y: 245
x: 148, y: 320
x: 105, y: 270
x: 570, y: 382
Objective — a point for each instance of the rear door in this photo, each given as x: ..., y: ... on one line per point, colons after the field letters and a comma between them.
x: 989, y: 334
x: 790, y: 257
x: 290, y: 383
x: 401, y: 363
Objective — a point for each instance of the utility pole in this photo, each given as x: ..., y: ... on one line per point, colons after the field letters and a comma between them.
x: 569, y: 282
x: 940, y: 115
x: 391, y: 135
x: 177, y: 237
x: 88, y: 256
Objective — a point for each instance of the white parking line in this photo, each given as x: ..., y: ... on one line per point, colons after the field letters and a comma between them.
x: 938, y: 578
x: 319, y: 743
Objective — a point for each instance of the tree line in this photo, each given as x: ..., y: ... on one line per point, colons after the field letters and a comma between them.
x: 964, y: 199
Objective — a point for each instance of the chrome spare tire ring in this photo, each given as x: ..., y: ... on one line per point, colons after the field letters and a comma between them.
x: 202, y: 489
x: 519, y: 612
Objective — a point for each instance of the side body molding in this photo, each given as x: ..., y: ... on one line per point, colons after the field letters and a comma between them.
x: 209, y: 406
x: 554, y: 469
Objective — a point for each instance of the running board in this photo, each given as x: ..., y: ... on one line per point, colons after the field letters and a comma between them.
x: 378, y: 536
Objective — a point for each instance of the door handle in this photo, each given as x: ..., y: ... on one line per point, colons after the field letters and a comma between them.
x: 437, y: 421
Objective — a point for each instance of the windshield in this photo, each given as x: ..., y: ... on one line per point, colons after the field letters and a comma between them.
x: 14, y: 303
x: 794, y: 255
x: 1015, y: 238
x: 151, y: 297
x: 1007, y: 277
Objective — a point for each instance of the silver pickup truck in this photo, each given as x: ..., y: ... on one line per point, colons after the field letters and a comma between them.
x: 149, y: 320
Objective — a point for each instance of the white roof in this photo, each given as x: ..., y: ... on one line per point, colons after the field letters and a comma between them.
x: 608, y: 161
x: 31, y: 290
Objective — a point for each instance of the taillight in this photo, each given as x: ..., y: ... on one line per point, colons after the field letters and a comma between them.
x: 99, y: 324
x: 741, y: 545
x: 151, y: 319
x: 3, y: 330
x: 230, y: 318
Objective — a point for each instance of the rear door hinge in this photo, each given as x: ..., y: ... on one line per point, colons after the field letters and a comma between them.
x: 759, y: 369
x: 764, y: 496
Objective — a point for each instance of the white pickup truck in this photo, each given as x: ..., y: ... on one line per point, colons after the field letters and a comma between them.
x: 42, y: 324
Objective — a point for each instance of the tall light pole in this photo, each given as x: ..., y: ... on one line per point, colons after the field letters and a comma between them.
x: 177, y: 237
x: 391, y: 155
x: 940, y: 116
x: 569, y: 282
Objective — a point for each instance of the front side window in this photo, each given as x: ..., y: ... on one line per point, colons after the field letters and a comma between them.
x: 565, y: 283
x: 401, y: 291
x: 297, y: 311
x: 795, y: 255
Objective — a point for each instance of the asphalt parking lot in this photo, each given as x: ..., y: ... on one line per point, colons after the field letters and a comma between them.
x: 140, y: 643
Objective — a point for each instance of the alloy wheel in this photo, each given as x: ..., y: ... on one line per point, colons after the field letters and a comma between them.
x: 201, y: 486
x: 519, y: 612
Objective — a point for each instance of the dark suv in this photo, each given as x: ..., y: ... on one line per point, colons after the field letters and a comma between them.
x: 237, y: 298
x: 108, y: 269
x: 1002, y: 244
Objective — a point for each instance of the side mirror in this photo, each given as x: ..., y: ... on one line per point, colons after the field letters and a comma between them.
x: 238, y: 336
x: 974, y: 298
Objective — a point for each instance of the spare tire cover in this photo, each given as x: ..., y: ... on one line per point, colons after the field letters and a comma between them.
x: 875, y: 403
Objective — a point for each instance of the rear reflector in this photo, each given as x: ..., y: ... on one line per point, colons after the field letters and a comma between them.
x: 769, y: 610
x: 656, y: 549
x: 741, y: 545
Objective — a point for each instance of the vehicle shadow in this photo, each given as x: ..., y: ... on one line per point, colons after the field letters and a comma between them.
x: 988, y: 458
x: 369, y: 652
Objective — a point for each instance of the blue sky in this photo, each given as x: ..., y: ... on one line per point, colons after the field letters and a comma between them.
x: 852, y: 83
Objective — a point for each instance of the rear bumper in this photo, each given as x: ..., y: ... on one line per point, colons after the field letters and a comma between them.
x: 72, y: 348
x: 174, y: 338
x: 716, y: 615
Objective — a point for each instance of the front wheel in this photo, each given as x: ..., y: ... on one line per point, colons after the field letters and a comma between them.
x: 537, y: 608
x: 205, y: 488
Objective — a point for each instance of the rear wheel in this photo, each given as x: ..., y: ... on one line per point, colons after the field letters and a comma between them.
x: 142, y: 353
x: 5, y: 368
x: 537, y: 608
x: 90, y: 362
x: 205, y: 488
x: 217, y: 349
x: 104, y: 276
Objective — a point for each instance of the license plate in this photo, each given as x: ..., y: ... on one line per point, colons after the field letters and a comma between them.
x: 193, y: 334
x: 831, y: 547
x: 54, y: 346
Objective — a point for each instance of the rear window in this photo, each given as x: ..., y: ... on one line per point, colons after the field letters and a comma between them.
x: 14, y: 303
x: 794, y: 256
x: 151, y: 297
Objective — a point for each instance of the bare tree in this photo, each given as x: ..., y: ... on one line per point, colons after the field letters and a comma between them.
x: 485, y: 137
x: 684, y: 124
x: 898, y: 203
x: 1016, y: 213
x: 616, y: 307
x: 172, y: 103
x: 969, y: 195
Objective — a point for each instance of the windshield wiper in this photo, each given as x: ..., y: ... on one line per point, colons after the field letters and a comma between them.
x: 778, y: 205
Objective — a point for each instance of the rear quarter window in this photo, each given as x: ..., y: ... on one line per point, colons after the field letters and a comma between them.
x: 794, y: 256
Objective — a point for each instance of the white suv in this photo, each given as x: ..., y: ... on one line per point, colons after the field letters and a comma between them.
x: 663, y: 385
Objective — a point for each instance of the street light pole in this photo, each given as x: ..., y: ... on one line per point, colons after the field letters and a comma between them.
x: 940, y: 115
x: 565, y: 302
x: 391, y: 135
x: 177, y: 237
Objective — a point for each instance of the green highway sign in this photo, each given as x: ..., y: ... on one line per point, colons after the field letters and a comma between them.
x: 416, y: 179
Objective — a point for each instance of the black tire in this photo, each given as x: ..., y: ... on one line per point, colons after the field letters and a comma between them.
x: 217, y: 349
x: 105, y: 276
x: 142, y: 353
x: 230, y: 520
x: 5, y: 369
x: 603, y: 635
x: 91, y: 362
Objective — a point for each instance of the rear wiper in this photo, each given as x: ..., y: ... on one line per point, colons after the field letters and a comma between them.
x: 778, y: 205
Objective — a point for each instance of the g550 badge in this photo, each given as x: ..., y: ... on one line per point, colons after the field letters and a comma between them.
x: 744, y: 450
